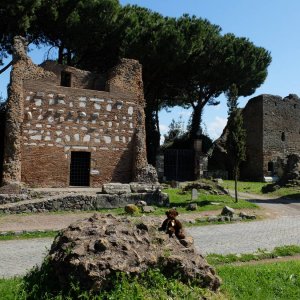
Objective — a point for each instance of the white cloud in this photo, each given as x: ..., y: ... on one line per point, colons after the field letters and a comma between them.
x: 215, y: 128
x: 163, y: 130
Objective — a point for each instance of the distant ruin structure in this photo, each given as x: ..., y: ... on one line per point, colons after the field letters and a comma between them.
x: 69, y: 127
x: 272, y: 125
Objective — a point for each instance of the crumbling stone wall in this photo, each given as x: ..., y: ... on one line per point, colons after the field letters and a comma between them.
x: 281, y: 129
x: 272, y: 125
x: 2, y: 132
x: 47, y: 122
x: 22, y: 69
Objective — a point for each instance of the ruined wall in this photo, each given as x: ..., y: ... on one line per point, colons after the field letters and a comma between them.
x: 253, y: 123
x: 80, y: 78
x: 59, y: 120
x: 2, y: 133
x: 281, y: 128
x: 47, y: 122
x: 23, y: 68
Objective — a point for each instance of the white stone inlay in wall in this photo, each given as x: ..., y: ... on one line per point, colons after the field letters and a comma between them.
x: 124, y: 139
x: 97, y: 106
x: 108, y: 107
x: 47, y: 138
x: 37, y: 137
x: 51, y: 101
x: 130, y: 110
x: 60, y: 101
x: 87, y: 138
x: 58, y: 133
x: 82, y: 104
x: 27, y: 98
x: 76, y: 137
x: 38, y: 125
x: 50, y: 119
x: 58, y: 140
x: 117, y: 139
x: 38, y: 102
x: 83, y: 128
x: 67, y: 138
x: 130, y: 125
x: 40, y: 117
x: 50, y: 95
x: 82, y: 114
x: 82, y: 98
x: 96, y: 100
x: 97, y: 141
x: 29, y: 115
x: 109, y: 124
x: 107, y: 139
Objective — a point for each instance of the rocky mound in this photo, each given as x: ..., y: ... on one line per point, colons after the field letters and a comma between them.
x: 94, y: 250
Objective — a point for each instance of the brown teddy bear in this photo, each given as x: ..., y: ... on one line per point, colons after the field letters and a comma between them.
x: 172, y: 226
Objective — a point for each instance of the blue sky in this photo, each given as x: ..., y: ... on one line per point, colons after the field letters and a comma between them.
x: 273, y: 25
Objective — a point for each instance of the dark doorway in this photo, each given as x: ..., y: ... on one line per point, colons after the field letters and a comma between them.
x: 65, y: 79
x: 179, y: 164
x: 80, y: 169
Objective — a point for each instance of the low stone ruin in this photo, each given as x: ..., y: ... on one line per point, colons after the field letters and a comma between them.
x: 113, y: 195
x: 93, y: 250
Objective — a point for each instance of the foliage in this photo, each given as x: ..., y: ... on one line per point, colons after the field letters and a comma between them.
x: 236, y: 138
x: 261, y: 281
x: 41, y: 283
x: 218, y: 259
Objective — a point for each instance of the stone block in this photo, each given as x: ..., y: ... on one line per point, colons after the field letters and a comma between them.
x: 116, y: 188
x: 148, y: 209
x: 137, y: 187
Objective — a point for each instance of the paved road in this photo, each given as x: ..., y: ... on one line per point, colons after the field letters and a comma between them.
x: 283, y: 228
x: 19, y: 256
x: 247, y: 237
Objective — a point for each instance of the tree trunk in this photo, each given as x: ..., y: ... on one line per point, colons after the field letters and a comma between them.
x: 235, y: 183
x: 60, y: 55
x: 196, y: 121
x: 152, y: 134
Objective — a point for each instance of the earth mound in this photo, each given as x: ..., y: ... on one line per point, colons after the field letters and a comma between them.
x: 94, y: 250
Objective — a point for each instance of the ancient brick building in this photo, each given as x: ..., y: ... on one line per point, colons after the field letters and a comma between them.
x: 68, y: 127
x: 272, y: 124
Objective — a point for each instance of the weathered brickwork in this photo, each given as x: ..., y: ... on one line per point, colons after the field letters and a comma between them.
x: 272, y: 125
x: 91, y: 115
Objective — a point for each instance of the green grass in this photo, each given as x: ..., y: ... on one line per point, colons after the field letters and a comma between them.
x: 150, y: 285
x: 217, y: 259
x: 244, y: 186
x: 27, y: 235
x: 261, y: 281
x: 256, y: 188
x: 11, y: 289
x: 204, y: 201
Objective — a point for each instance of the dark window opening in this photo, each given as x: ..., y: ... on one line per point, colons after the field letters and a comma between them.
x: 283, y: 136
x: 80, y: 169
x: 270, y: 166
x: 65, y: 79
x: 295, y: 105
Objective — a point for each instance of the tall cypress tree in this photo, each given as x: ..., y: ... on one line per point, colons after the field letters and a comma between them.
x: 236, y: 139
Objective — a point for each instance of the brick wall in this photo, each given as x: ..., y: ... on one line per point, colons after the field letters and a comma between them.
x: 59, y: 120
x: 281, y: 128
x: 253, y: 115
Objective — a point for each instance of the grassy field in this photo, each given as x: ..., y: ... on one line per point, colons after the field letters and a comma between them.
x: 261, y: 281
x: 256, y: 188
x: 218, y: 259
x: 27, y: 235
x: 151, y: 285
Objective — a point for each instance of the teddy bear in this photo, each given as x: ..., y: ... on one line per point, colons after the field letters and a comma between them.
x: 172, y: 226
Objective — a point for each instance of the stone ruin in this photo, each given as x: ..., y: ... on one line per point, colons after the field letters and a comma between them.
x: 93, y: 250
x: 69, y: 127
x: 272, y: 127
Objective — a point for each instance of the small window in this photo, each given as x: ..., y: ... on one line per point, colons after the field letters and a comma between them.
x: 270, y: 166
x: 65, y: 79
x: 283, y: 136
